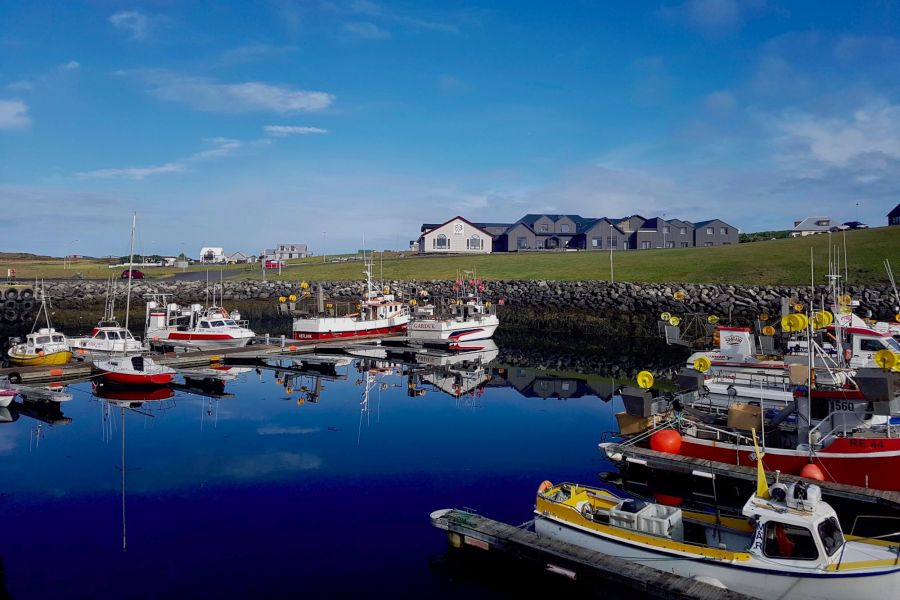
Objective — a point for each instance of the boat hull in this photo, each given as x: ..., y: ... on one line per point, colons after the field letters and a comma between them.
x: 6, y: 397
x: 758, y: 582
x: 205, y: 341
x: 451, y: 332
x: 362, y: 331
x: 865, y: 462
x: 34, y: 360
x: 137, y: 379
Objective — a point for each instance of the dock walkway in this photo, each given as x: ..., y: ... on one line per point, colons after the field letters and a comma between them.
x: 574, y: 561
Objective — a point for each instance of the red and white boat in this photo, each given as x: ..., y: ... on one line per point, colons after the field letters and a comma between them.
x: 380, y: 313
x: 470, y: 318
x: 134, y: 370
x: 195, y: 326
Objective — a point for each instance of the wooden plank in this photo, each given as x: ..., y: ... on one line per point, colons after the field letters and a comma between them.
x: 504, y: 537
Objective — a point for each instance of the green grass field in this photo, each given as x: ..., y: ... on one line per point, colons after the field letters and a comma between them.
x: 784, y: 261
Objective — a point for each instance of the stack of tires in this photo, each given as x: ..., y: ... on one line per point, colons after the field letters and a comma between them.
x: 18, y: 304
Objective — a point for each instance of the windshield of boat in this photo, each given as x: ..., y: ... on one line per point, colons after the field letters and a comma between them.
x: 44, y: 339
x: 231, y: 323
x: 218, y: 324
x: 113, y: 335
x: 789, y: 541
x: 832, y: 537
x: 59, y: 338
x: 128, y: 335
x: 892, y: 344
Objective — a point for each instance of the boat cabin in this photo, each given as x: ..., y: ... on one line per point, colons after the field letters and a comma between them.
x: 112, y: 333
x: 45, y: 340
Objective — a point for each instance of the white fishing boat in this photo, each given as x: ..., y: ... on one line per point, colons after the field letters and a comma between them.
x: 379, y: 313
x: 7, y: 393
x: 195, y: 326
x: 108, y: 336
x: 789, y: 545
x: 469, y: 318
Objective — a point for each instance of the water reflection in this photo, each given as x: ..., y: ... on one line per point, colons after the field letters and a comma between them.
x: 258, y: 463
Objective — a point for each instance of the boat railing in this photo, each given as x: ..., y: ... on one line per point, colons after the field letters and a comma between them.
x: 755, y: 380
x: 874, y: 538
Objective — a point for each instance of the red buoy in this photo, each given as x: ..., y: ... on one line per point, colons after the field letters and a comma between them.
x: 667, y: 440
x: 812, y: 471
x: 668, y: 500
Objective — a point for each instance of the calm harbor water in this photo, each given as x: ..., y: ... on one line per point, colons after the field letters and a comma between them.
x: 326, y: 490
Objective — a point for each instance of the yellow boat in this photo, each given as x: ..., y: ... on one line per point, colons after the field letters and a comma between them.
x: 44, y: 347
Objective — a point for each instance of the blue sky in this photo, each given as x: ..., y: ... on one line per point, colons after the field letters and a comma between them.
x: 247, y: 124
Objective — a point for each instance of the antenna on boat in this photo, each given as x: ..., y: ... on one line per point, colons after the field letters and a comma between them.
x: 124, y: 538
x: 130, y: 270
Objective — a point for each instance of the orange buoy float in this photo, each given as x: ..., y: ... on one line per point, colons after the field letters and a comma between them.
x: 667, y: 440
x: 812, y: 471
x: 56, y: 372
x: 545, y: 485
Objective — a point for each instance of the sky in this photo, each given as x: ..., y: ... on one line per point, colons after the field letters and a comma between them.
x: 344, y: 123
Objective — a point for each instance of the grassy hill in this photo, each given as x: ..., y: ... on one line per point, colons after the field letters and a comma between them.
x: 784, y: 261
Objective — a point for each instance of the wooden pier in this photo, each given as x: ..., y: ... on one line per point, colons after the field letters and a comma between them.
x: 468, y: 529
x: 663, y: 461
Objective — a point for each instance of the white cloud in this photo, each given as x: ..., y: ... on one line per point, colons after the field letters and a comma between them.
x: 134, y: 22
x: 366, y: 30
x: 221, y: 147
x: 72, y: 65
x: 202, y: 93
x: 13, y: 115
x: 20, y: 86
x: 712, y: 16
x: 254, y: 52
x: 285, y: 130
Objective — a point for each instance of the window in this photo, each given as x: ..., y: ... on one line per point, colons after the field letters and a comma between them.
x: 685, y: 245
x: 709, y: 231
x: 521, y: 243
x: 789, y: 541
x: 58, y: 339
x: 682, y: 230
x: 218, y: 324
x: 544, y: 227
x: 707, y: 244
x: 564, y: 228
x: 670, y: 244
x: 831, y: 535
x: 723, y: 230
x: 823, y: 223
x: 113, y: 335
x: 441, y: 241
x: 666, y: 229
x: 645, y: 245
x: 597, y: 242
x: 612, y: 242
x: 870, y: 345
x: 204, y: 325
x: 475, y: 243
x: 44, y: 339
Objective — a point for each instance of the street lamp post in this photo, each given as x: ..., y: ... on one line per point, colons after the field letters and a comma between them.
x: 323, y: 247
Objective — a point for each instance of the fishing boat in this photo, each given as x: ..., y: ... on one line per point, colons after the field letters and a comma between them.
x: 788, y: 545
x: 195, y: 326
x: 470, y: 317
x: 108, y: 336
x: 379, y: 313
x: 44, y: 347
x: 135, y: 369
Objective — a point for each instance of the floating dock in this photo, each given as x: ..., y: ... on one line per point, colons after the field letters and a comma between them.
x: 468, y: 529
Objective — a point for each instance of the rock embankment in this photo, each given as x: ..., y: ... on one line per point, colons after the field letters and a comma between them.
x: 738, y: 301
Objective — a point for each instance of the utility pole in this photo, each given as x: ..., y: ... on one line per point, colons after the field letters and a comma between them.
x: 323, y: 247
x: 612, y: 277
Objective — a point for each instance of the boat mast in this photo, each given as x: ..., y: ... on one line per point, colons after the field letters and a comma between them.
x: 130, y: 271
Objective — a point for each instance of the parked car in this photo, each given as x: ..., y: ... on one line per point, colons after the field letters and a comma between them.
x: 274, y: 264
x: 135, y: 274
x: 855, y: 225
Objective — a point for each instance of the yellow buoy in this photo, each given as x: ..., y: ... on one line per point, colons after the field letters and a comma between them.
x: 413, y: 302
x: 292, y: 297
x: 665, y: 316
x: 289, y: 390
x: 897, y: 317
x: 702, y: 364
x: 768, y: 330
x: 712, y: 319
x: 282, y: 299
x: 764, y: 316
x: 645, y: 379
x: 329, y: 306
x: 794, y: 322
x: 822, y: 319
x: 303, y: 285
x: 846, y: 310
x: 846, y: 299
x: 674, y: 321
x: 387, y: 289
x: 487, y: 304
x: 798, y: 307
x: 679, y: 295
x: 885, y: 359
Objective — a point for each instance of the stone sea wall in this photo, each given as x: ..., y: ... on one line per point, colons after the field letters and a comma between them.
x: 740, y: 302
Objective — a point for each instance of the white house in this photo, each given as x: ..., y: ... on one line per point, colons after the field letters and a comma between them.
x: 289, y: 251
x: 456, y: 236
x: 212, y: 255
x: 811, y: 226
x: 236, y: 257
